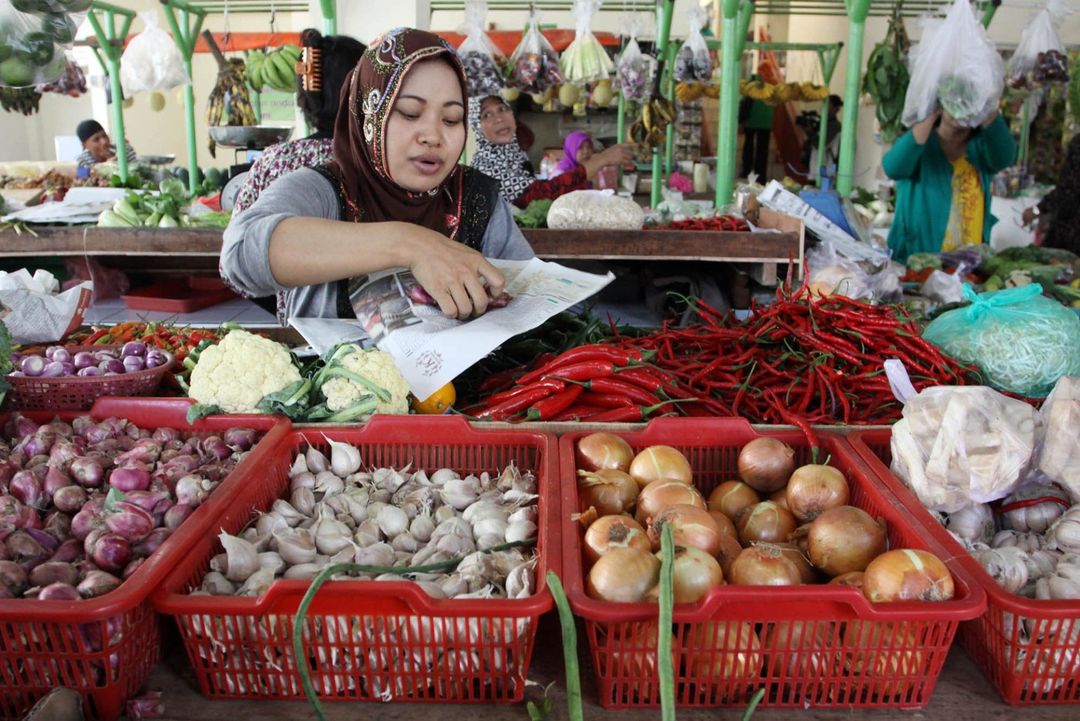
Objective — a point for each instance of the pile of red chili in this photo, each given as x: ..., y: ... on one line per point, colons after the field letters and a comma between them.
x: 722, y: 223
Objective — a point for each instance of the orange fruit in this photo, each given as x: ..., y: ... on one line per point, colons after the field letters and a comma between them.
x: 440, y: 401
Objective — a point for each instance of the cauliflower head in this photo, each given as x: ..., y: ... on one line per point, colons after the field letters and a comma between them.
x: 239, y: 371
x: 377, y: 367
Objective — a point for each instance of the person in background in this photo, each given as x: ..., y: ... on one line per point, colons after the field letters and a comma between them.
x: 757, y: 122
x: 97, y: 147
x: 500, y: 156
x: 326, y: 62
x: 943, y: 171
x: 394, y: 196
x: 832, y: 137
x: 578, y: 154
x: 1059, y: 211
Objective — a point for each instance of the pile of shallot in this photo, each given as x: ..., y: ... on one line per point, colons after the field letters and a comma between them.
x: 453, y: 531
x: 82, y: 505
x: 778, y: 525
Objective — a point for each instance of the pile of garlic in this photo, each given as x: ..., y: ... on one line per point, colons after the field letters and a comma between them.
x: 338, y: 513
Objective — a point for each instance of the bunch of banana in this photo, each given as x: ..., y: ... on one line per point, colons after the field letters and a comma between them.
x: 757, y: 90
x: 229, y: 98
x: 19, y: 100
x: 689, y: 92
x: 649, y: 129
x: 275, y: 69
x: 813, y: 93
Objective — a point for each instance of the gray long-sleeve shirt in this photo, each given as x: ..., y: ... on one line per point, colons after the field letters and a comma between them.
x: 245, y: 254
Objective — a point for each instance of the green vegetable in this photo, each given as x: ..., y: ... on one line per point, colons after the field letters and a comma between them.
x: 570, y: 655
x: 6, y: 365
x: 887, y: 78
x: 202, y: 410
x: 535, y: 215
x: 665, y: 667
x: 109, y: 219
x: 291, y: 401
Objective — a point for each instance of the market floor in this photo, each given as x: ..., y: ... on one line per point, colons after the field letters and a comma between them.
x: 962, y: 694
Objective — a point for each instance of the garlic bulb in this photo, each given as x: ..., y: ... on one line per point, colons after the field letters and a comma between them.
x: 1064, y: 534
x: 1007, y: 565
x: 1027, y: 542
x: 1036, y: 518
x: 974, y: 523
x: 344, y: 458
x: 1063, y: 583
x: 241, y: 558
x: 327, y: 483
x: 392, y: 521
x: 316, y: 461
x: 303, y: 500
x: 422, y: 527
x: 295, y: 545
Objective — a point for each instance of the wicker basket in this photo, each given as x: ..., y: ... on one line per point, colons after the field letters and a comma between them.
x: 76, y: 393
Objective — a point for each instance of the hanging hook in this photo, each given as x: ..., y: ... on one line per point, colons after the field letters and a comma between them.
x: 226, y: 38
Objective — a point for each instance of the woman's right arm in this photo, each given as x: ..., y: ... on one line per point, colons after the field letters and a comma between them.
x: 902, y: 160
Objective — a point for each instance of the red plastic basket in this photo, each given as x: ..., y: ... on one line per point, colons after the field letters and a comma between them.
x: 836, y: 650
x: 77, y: 393
x: 45, y: 644
x: 367, y: 640
x: 1041, y: 669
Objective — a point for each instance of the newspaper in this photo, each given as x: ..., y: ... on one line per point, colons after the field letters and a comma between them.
x: 37, y: 313
x: 431, y: 350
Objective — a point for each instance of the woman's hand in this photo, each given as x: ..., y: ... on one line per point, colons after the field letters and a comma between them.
x: 622, y: 155
x: 990, y: 120
x: 459, y: 278
x: 1029, y: 216
x: 922, y: 129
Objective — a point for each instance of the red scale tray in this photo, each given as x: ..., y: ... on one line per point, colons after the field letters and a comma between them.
x: 179, y: 295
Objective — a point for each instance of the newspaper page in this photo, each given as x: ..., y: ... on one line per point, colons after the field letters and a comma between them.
x: 430, y: 349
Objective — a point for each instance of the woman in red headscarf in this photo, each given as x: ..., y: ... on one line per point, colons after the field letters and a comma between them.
x: 394, y: 196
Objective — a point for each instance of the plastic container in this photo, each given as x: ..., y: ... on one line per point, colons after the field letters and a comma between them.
x: 1042, y: 669
x: 375, y: 639
x: 45, y: 644
x: 76, y: 393
x: 815, y: 646
x: 179, y: 295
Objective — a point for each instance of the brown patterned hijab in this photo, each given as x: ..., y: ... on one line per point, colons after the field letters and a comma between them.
x: 371, y: 195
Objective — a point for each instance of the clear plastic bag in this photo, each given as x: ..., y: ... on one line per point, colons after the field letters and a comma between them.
x: 595, y: 209
x: 1022, y: 341
x: 958, y: 445
x: 534, y: 63
x: 34, y: 37
x: 954, y: 68
x: 1040, y: 38
x: 585, y: 60
x: 151, y: 60
x: 1059, y: 452
x: 482, y: 59
x: 693, y: 63
x: 634, y: 70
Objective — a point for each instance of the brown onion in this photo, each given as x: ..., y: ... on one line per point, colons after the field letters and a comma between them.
x: 801, y: 649
x: 722, y: 651
x: 623, y: 575
x: 907, y: 574
x: 763, y: 565
x: 845, y: 539
x: 794, y: 554
x: 658, y: 462
x: 598, y: 451
x: 766, y: 522
x: 695, y: 573
x: 691, y: 527
x: 729, y: 551
x: 814, y: 489
x: 779, y: 498
x: 611, y: 532
x: 634, y: 655
x: 727, y: 528
x: 766, y: 464
x: 853, y: 579
x: 610, y: 491
x: 662, y: 494
x: 732, y: 497
x: 887, y: 653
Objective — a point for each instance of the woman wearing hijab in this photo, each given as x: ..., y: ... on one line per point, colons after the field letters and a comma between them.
x: 394, y: 196
x: 499, y: 156
x: 327, y: 62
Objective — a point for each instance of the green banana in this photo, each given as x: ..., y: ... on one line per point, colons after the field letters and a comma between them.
x: 286, y: 71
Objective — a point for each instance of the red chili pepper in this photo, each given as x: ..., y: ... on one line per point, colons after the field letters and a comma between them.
x: 554, y: 405
x: 99, y: 333
x: 579, y: 412
x: 616, y: 386
x: 553, y: 384
x: 627, y: 414
x: 510, y: 406
x: 605, y: 400
x: 596, y: 352
x: 583, y: 371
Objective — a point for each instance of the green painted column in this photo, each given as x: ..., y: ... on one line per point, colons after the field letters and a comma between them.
x: 111, y: 44
x: 728, y: 126
x: 185, y: 32
x: 664, y: 31
x: 668, y: 86
x: 845, y: 174
x: 827, y: 57
x: 329, y: 16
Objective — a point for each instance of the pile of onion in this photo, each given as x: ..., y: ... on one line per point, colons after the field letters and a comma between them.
x: 777, y: 524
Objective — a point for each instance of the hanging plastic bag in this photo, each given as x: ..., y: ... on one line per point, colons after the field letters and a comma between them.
x: 585, y: 60
x: 955, y: 68
x: 1040, y: 56
x: 1059, y: 453
x: 534, y: 64
x: 151, y: 61
x: 634, y: 69
x: 482, y: 60
x: 34, y: 35
x: 693, y: 63
x: 1022, y: 341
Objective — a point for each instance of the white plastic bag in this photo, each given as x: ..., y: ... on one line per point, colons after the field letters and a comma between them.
x: 534, y: 63
x: 1040, y: 37
x: 34, y: 37
x: 954, y: 68
x: 151, y: 61
x: 481, y: 58
x: 693, y: 63
x: 39, y: 314
x: 595, y: 209
x: 634, y: 69
x: 1059, y: 449
x: 585, y: 60
x: 958, y: 445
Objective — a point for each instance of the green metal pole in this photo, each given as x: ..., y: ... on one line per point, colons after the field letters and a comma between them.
x: 827, y: 57
x: 989, y: 12
x: 111, y: 44
x: 185, y: 37
x: 329, y: 16
x: 668, y: 86
x: 845, y: 174
x: 729, y: 103
x: 666, y: 10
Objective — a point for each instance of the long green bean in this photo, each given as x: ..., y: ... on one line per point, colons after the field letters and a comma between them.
x: 570, y: 654
x: 664, y: 664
